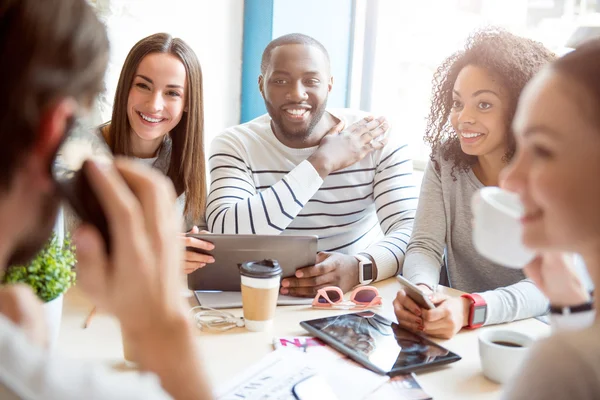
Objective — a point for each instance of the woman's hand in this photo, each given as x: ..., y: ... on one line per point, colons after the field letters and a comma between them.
x: 555, y: 276
x: 408, y: 313
x: 444, y: 321
x: 447, y: 318
x: 194, y: 259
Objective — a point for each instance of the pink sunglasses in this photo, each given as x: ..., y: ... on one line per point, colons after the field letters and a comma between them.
x: 361, y: 297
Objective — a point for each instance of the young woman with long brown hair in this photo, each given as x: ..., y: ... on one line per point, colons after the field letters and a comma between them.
x: 158, y: 118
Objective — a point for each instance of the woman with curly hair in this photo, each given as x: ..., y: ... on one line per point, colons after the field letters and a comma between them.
x: 475, y: 93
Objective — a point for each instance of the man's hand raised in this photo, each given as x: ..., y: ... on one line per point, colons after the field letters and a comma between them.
x: 341, y: 147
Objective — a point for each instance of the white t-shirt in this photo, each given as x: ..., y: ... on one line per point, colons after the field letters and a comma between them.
x: 29, y: 372
x: 180, y: 204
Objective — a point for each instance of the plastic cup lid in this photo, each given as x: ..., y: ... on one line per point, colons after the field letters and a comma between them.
x: 264, y: 269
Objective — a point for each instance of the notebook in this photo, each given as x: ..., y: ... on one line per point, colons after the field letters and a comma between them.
x: 218, y: 299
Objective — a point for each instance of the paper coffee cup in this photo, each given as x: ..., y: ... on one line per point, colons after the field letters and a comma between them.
x: 502, y: 352
x: 260, y: 289
x: 497, y: 229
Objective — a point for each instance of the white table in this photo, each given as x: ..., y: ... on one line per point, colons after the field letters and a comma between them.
x: 461, y: 380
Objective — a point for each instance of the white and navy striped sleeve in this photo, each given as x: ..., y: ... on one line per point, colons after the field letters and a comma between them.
x: 235, y: 205
x: 396, y: 199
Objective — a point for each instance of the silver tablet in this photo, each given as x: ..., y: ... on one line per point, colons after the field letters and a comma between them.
x: 292, y: 252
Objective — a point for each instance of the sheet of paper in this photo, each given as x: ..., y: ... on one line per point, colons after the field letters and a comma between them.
x: 402, y: 387
x: 275, y: 375
x: 340, y: 368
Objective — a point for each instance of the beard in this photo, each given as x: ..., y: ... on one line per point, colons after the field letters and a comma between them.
x: 35, y: 240
x: 299, y: 134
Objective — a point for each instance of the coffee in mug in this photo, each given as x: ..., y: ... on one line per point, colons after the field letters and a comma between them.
x: 507, y: 344
x: 260, y: 289
x: 502, y: 351
x: 497, y: 229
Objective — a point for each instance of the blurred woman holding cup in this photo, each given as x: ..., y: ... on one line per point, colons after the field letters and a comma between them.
x: 555, y: 173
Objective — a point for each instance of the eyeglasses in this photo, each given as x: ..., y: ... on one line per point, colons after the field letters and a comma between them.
x: 361, y: 297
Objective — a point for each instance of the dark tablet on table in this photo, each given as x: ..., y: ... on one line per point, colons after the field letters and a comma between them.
x: 379, y: 344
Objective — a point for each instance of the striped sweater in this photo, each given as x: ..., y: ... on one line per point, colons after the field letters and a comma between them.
x: 260, y: 186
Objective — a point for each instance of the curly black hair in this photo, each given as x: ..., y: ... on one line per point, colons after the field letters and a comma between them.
x: 513, y: 59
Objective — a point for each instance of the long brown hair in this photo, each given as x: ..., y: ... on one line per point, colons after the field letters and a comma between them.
x: 187, y: 164
x: 512, y: 59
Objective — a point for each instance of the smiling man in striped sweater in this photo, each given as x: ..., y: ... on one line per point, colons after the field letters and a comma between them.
x: 304, y: 169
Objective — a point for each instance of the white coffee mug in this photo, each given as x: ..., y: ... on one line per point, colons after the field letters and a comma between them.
x: 499, y: 361
x: 497, y: 230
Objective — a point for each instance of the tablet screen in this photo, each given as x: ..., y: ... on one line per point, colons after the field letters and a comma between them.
x: 378, y: 343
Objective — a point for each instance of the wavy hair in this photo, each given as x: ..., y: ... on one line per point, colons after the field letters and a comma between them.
x: 512, y: 59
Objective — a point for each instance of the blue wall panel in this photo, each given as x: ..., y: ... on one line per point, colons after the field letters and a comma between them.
x: 328, y: 21
x: 258, y: 32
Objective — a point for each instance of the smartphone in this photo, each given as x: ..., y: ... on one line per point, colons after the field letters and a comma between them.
x: 415, y: 293
x: 81, y: 143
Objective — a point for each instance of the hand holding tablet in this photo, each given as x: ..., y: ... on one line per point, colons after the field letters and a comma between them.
x: 230, y: 251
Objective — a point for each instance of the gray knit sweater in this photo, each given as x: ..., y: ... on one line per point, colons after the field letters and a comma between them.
x: 443, y: 223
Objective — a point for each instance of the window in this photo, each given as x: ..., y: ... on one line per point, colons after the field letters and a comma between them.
x: 412, y: 38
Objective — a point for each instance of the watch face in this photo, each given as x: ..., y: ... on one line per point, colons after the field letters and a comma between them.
x: 367, y: 272
x: 479, y: 315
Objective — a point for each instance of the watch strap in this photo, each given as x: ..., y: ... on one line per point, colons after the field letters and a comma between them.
x: 476, y: 301
x: 572, y: 309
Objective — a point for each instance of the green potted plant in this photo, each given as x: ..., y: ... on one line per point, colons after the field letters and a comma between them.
x: 49, y: 274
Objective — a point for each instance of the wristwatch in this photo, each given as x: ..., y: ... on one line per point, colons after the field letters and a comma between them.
x: 477, y: 311
x: 365, y: 270
x: 589, y: 306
